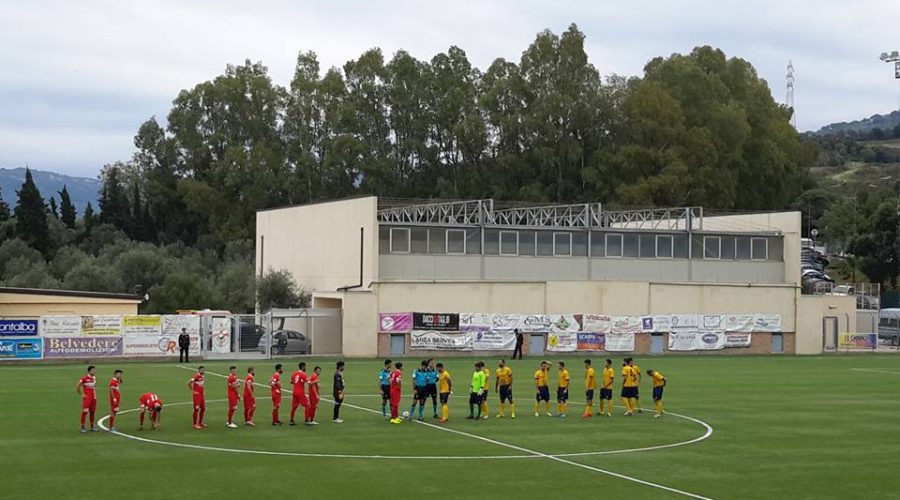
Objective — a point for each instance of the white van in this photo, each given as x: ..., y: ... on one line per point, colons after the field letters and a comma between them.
x: 889, y: 325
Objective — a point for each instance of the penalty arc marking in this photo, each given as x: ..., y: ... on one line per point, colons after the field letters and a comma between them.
x: 527, y: 453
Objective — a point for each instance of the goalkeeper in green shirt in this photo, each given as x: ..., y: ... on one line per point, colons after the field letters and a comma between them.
x: 479, y: 381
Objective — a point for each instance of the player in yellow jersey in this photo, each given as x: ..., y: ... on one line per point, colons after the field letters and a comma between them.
x: 487, y: 390
x: 445, y: 389
x: 637, y: 392
x: 659, y: 383
x: 541, y: 378
x: 590, y: 385
x: 606, y: 389
x: 562, y: 391
x: 503, y: 386
x: 629, y: 384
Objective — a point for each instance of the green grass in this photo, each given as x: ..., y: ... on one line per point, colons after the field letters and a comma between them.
x: 784, y: 427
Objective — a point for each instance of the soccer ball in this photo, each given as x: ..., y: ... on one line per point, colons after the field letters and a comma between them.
x: 406, y: 415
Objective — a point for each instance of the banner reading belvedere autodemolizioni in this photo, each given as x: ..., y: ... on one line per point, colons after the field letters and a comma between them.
x: 83, y: 347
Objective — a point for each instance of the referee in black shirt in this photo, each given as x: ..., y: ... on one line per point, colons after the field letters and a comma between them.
x: 338, y: 392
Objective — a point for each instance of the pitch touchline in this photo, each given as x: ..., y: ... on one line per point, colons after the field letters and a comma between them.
x: 529, y: 451
x: 874, y: 370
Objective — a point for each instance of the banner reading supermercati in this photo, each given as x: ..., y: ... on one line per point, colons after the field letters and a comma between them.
x: 562, y: 341
x: 589, y: 341
x: 31, y: 348
x: 739, y: 323
x: 620, y: 342
x: 60, y: 326
x: 395, y: 322
x: 441, y: 341
x: 150, y: 344
x: 598, y: 323
x: 83, y: 347
x: 867, y: 341
x: 737, y: 339
x: 441, y: 322
x: 18, y: 327
x: 493, y: 340
x: 767, y: 323
x: 142, y: 325
x: 101, y: 325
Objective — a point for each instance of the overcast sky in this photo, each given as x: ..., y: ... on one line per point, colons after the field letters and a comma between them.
x: 78, y: 78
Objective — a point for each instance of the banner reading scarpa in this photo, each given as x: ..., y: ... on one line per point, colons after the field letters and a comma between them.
x: 395, y: 322
x: 589, y: 341
x: 562, y: 341
x: 441, y: 341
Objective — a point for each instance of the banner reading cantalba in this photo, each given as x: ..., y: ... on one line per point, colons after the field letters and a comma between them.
x: 441, y: 341
x: 82, y: 347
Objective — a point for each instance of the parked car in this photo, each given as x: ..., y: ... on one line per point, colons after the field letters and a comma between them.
x: 889, y: 326
x: 812, y: 273
x: 285, y: 342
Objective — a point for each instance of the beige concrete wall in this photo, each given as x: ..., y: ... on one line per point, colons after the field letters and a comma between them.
x: 788, y: 223
x: 360, y: 324
x: 319, y: 243
x: 15, y: 305
x: 461, y: 296
x: 811, y: 309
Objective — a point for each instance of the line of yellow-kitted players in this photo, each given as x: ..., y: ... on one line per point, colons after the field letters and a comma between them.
x: 430, y: 379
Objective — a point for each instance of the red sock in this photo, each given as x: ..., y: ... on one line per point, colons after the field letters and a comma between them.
x: 293, y: 413
x: 230, y: 413
x: 194, y: 418
x: 251, y: 412
x: 142, y: 419
x: 112, y: 419
x: 275, y: 415
x: 92, y: 419
x: 202, y: 412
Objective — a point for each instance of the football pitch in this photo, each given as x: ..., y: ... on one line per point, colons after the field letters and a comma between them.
x: 738, y: 428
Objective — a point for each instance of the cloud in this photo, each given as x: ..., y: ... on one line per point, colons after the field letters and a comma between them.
x: 80, y: 77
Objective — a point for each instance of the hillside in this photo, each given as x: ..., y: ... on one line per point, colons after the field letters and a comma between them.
x: 81, y: 189
x: 884, y: 122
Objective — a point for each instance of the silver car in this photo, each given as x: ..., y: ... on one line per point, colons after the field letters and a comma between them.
x: 285, y: 342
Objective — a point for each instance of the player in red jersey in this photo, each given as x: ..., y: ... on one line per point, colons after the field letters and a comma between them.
x: 150, y: 402
x: 395, y: 381
x: 275, y: 386
x: 86, y: 389
x: 313, y: 397
x: 115, y: 397
x: 196, y: 384
x: 249, y: 398
x: 299, y: 381
x: 233, y: 397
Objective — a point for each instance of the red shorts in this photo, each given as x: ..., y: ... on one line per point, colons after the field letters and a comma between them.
x: 88, y: 404
x: 233, y: 402
x: 113, y: 405
x: 395, y: 398
x: 199, y: 402
x: 276, y: 399
x: 249, y: 401
x: 299, y: 400
x: 313, y: 402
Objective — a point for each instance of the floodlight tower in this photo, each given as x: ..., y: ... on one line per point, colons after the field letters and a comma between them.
x: 893, y: 57
x: 789, y: 97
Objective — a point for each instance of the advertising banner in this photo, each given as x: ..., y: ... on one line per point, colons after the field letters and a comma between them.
x: 562, y: 341
x: 149, y: 344
x: 564, y: 323
x: 493, y: 340
x: 221, y: 335
x: 505, y: 321
x: 853, y: 341
x: 737, y: 339
x: 395, y: 322
x: 101, y: 325
x: 173, y: 323
x: 442, y: 322
x: 658, y: 323
x: 60, y: 326
x: 626, y: 324
x: 534, y: 323
x: 767, y: 323
x: 711, y: 339
x: 142, y: 325
x: 18, y: 327
x: 32, y: 348
x: 619, y: 342
x: 474, y: 321
x: 598, y: 323
x: 685, y: 340
x: 83, y: 347
x: 739, y: 323
x: 589, y: 341
x: 441, y: 341
x: 685, y: 322
x: 714, y: 322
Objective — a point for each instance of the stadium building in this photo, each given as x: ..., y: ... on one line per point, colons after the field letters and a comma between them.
x: 370, y: 256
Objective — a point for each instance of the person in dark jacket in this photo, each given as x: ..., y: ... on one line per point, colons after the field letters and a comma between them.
x: 338, y: 392
x: 520, y: 339
x: 184, y: 345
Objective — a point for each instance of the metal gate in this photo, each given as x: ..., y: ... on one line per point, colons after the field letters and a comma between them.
x: 398, y: 345
x: 235, y: 336
x: 536, y: 342
x: 657, y: 343
x: 829, y: 333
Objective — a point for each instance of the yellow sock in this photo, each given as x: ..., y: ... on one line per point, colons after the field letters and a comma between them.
x: 547, y: 406
x: 634, y: 404
x: 537, y: 406
x: 484, y: 408
x: 627, y: 404
x: 512, y: 409
x: 566, y: 408
x: 445, y: 411
x: 660, y: 408
x: 559, y: 408
x: 589, y: 409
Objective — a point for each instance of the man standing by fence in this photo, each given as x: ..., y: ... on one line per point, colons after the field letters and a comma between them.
x: 184, y: 346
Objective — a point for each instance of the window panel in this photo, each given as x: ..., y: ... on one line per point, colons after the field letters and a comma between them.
x: 759, y: 248
x: 509, y: 243
x: 544, y: 243
x: 491, y: 242
x: 728, y: 247
x: 598, y: 244
x: 473, y: 241
x: 456, y: 241
x: 399, y: 240
x: 613, y: 245
x: 418, y: 240
x: 437, y: 243
x: 663, y: 246
x: 680, y: 246
x: 384, y: 240
x: 743, y: 248
x: 648, y: 246
x: 579, y: 244
x: 562, y: 244
x: 526, y: 243
x: 630, y: 245
x: 712, y: 247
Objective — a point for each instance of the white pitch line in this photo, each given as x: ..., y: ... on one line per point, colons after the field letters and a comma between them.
x: 531, y: 452
x: 874, y: 370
